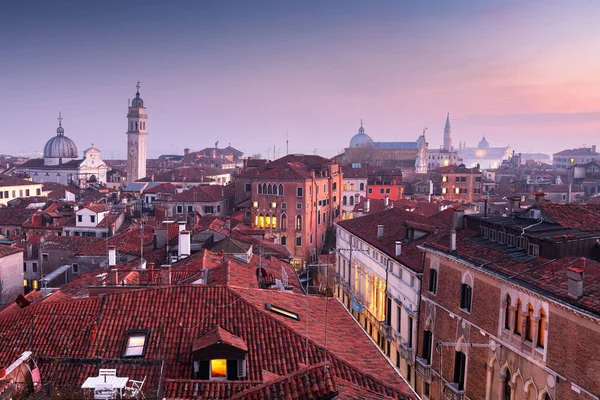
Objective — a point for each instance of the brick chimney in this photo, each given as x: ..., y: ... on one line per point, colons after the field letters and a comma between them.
x: 114, y: 277
x: 575, y: 281
x: 165, y: 274
x: 458, y: 218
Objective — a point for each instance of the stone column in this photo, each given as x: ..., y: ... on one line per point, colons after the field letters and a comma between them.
x: 488, y: 384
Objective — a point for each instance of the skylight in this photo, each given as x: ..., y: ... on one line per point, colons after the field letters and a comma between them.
x: 135, y: 344
x: 282, y: 311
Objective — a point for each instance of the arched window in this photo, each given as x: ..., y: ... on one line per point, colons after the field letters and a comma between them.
x: 466, y: 293
x: 518, y: 319
x: 344, y: 200
x: 274, y: 222
x: 351, y: 200
x: 269, y: 189
x: 507, y: 313
x: 362, y: 186
x: 264, y: 185
x: 267, y: 221
x: 131, y: 126
x: 283, y: 221
x: 260, y: 189
x: 506, y: 386
x: 298, y: 222
x: 261, y: 221
x: 541, y: 342
x: 280, y: 189
x: 345, y: 186
x: 529, y: 323
x: 343, y: 214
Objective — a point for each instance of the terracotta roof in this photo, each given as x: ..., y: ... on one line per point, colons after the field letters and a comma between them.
x: 128, y: 241
x: 201, y: 194
x: 166, y: 187
x: 218, y: 335
x: 7, y: 180
x: 12, y: 216
x: 292, y: 166
x: 8, y: 250
x: 394, y: 220
x: 97, y: 208
x: 585, y: 217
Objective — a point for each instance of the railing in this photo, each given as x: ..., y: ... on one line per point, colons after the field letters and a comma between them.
x: 386, y: 329
x: 406, y: 352
x: 423, y: 369
x: 451, y: 392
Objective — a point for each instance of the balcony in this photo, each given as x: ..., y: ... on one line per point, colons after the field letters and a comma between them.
x: 451, y: 392
x: 406, y: 352
x: 386, y: 330
x: 423, y: 369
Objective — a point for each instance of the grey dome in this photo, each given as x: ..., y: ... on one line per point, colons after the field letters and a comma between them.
x: 137, y: 102
x: 60, y: 146
x: 483, y: 144
x: 361, y: 139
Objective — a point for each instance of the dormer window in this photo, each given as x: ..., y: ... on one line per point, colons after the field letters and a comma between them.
x: 135, y: 344
x: 219, y: 355
x: 218, y: 369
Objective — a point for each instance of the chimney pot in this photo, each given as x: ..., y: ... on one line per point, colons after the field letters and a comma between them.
x: 386, y: 201
x: 575, y: 277
x: 379, y: 231
x: 112, y: 256
x: 398, y: 248
x: 453, y: 240
x: 367, y: 206
x: 165, y: 272
x: 114, y: 276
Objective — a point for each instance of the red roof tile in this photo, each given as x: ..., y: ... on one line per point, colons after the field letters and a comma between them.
x: 218, y: 335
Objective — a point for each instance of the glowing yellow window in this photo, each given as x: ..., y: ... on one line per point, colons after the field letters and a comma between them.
x: 274, y: 222
x: 218, y: 369
x: 34, y: 284
x: 25, y: 282
x: 457, y: 190
x: 256, y: 221
x: 443, y: 190
x: 267, y: 222
x: 444, y: 179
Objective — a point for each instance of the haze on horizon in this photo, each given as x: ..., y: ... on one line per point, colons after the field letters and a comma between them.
x: 245, y: 72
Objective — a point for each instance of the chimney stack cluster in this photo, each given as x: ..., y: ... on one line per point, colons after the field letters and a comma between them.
x: 575, y: 277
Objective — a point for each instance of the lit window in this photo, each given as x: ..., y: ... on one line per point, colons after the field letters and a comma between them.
x: 444, y: 190
x: 218, y: 369
x: 457, y: 190
x: 255, y: 204
x: 541, y: 342
x: 518, y: 319
x: 135, y: 344
x: 282, y: 311
x: 34, y: 284
x: 444, y: 179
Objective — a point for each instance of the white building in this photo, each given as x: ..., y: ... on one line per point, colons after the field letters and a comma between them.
x: 11, y: 273
x: 136, y: 138
x: 12, y: 187
x: 61, y: 163
x: 354, y: 187
x: 95, y: 220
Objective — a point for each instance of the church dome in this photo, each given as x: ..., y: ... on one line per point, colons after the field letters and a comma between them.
x: 137, y: 102
x: 361, y: 139
x: 60, y: 146
x: 483, y: 144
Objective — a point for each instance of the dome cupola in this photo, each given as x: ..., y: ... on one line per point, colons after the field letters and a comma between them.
x: 137, y: 102
x: 361, y: 139
x: 59, y: 147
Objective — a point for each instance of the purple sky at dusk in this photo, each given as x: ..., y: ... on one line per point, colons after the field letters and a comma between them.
x: 245, y: 72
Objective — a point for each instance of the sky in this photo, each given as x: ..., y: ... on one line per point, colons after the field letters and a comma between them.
x: 251, y: 73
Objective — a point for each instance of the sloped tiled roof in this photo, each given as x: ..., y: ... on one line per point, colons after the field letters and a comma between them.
x: 585, y: 217
x: 219, y: 335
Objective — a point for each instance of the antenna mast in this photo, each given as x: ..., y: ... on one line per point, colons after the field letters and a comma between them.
x: 287, y: 143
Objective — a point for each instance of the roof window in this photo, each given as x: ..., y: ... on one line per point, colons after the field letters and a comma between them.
x: 282, y: 311
x: 135, y: 344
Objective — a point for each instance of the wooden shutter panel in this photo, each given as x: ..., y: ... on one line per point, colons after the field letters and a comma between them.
x: 232, y: 370
x: 204, y: 373
x: 241, y: 365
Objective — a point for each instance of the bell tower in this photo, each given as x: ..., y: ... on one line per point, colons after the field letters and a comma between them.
x: 447, y: 134
x: 136, y: 138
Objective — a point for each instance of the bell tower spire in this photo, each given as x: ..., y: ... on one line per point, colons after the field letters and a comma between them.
x: 448, y: 134
x: 136, y: 138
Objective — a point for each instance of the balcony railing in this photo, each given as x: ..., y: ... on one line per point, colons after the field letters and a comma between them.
x: 406, y: 352
x: 386, y: 329
x: 451, y: 392
x: 423, y: 368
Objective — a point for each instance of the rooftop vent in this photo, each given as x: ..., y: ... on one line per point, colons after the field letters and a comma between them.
x: 379, y: 231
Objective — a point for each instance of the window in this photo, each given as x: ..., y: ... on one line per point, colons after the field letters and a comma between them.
x: 351, y: 200
x: 344, y: 200
x: 465, y: 297
x: 541, y: 339
x: 299, y: 192
x: 522, y: 242
x: 35, y: 284
x: 298, y: 206
x: 75, y: 268
x: 280, y: 190
x: 283, y: 222
x: 501, y: 237
x: 207, y: 209
x: 44, y: 257
x: 410, y: 331
x: 269, y: 189
x: 534, y: 250
x: 283, y: 241
x: 484, y: 232
x: 518, y: 319
x: 370, y: 190
x: 381, y: 191
x: 92, y: 218
x: 477, y: 179
x: 510, y: 240
x: 493, y: 235
x: 298, y: 241
x: 433, y: 281
x: 259, y: 188
x: 426, y: 389
x: 179, y: 209
x: 298, y: 222
x: 427, y: 345
x: 26, y: 192
x: 190, y: 209
x: 283, y: 206
x: 135, y: 344
x: 399, y: 319
x: 218, y: 369
x: 34, y: 266
x: 24, y: 267
x: 506, y: 394
x: 38, y: 192
x: 387, y: 190
x: 529, y: 323
x: 362, y: 186
x: 80, y: 218
x: 334, y: 186
x: 460, y: 362
x: 507, y: 313
x: 248, y: 187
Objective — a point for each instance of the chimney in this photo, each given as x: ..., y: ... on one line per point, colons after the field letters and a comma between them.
x: 379, y: 231
x: 386, y: 201
x: 29, y: 250
x: 539, y: 196
x: 452, y: 240
x: 181, y: 225
x: 458, y: 218
x: 184, y: 246
x: 165, y: 274
x: 367, y: 206
x: 569, y: 193
x: 186, y: 151
x: 114, y: 277
x: 575, y: 281
x: 160, y: 238
x: 594, y: 148
x: 398, y: 248
x: 112, y: 256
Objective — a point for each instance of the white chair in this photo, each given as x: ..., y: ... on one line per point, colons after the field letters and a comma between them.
x: 136, y: 388
x: 107, y: 372
x: 104, y: 391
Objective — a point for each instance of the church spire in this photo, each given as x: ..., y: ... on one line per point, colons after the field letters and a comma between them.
x: 448, y: 134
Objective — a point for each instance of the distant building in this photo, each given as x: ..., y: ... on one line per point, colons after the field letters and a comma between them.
x: 62, y: 165
x: 199, y: 200
x: 410, y: 156
x: 12, y: 187
x: 11, y: 273
x: 385, y: 183
x: 445, y: 155
x: 570, y: 157
x: 136, y: 138
x: 354, y: 187
x: 458, y: 183
x: 487, y: 157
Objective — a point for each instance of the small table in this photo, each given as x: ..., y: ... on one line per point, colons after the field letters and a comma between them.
x: 117, y: 382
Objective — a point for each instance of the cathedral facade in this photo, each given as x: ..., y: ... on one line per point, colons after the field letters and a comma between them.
x: 411, y: 157
x: 61, y: 163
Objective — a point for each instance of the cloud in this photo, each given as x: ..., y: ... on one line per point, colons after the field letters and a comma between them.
x: 537, y: 119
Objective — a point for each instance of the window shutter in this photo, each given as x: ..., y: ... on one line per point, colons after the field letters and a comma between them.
x: 241, y: 366
x: 232, y: 372
x: 204, y: 373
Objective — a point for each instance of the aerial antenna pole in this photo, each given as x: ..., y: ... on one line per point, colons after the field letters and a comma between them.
x: 287, y: 143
